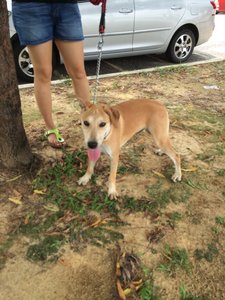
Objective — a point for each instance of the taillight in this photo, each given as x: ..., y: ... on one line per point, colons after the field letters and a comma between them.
x: 214, y: 7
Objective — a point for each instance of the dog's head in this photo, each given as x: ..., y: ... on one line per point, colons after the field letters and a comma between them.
x: 97, y: 122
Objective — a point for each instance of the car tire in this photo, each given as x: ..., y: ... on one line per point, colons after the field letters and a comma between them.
x: 181, y: 46
x: 24, y: 67
x: 23, y: 64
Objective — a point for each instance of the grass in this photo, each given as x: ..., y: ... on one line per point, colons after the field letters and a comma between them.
x: 59, y: 198
x: 185, y: 295
x: 174, y: 218
x: 4, y: 247
x: 220, y: 220
x: 208, y: 254
x: 46, y: 250
x: 147, y: 292
x: 174, y: 258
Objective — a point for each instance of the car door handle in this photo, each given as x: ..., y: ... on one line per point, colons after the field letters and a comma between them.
x: 174, y: 7
x: 125, y: 10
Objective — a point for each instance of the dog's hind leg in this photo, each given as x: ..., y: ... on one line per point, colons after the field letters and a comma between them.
x: 175, y: 157
x: 164, y: 144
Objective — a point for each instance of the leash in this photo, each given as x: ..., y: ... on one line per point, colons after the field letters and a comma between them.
x: 100, y: 43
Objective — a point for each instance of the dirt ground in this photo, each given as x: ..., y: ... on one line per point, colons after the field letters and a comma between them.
x: 175, y: 230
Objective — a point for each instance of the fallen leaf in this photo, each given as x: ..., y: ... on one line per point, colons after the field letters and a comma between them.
x: 13, y: 179
x: 52, y: 207
x: 158, y: 174
x: 120, y: 290
x: 16, y: 200
x: 39, y: 192
x: 191, y: 169
x: 128, y: 291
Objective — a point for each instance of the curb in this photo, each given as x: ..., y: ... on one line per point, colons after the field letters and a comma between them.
x: 125, y: 73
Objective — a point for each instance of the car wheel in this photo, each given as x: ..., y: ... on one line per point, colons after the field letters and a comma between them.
x: 24, y: 67
x: 181, y: 46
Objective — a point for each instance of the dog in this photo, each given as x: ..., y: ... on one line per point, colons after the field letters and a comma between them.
x: 107, y: 128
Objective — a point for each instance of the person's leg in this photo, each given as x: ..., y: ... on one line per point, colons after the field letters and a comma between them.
x: 73, y: 56
x: 41, y: 57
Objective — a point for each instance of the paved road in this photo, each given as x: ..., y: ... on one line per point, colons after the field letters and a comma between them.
x: 215, y: 47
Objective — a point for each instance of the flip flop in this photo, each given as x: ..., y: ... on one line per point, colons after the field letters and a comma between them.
x: 59, y: 138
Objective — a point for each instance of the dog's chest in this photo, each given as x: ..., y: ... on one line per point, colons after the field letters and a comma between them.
x: 106, y: 149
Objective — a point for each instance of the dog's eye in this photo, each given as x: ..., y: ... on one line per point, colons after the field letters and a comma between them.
x: 86, y: 123
x: 102, y: 124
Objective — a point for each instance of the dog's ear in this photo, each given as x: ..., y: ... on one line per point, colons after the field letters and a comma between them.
x: 84, y: 105
x: 113, y: 114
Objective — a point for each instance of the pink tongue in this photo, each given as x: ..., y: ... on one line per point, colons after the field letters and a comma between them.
x: 94, y: 154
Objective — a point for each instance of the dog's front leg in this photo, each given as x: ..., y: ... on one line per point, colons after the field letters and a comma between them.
x: 87, y: 176
x: 112, y: 193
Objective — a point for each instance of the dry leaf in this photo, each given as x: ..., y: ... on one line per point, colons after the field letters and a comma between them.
x: 13, y: 179
x: 16, y: 200
x: 128, y: 291
x: 120, y: 290
x: 51, y: 207
x: 158, y: 174
x: 39, y: 192
x: 191, y: 169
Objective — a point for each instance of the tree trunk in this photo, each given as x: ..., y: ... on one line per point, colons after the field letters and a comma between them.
x: 15, y: 151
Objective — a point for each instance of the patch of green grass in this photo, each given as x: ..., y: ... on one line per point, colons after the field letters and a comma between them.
x: 143, y: 204
x: 208, y: 254
x: 220, y: 220
x: 39, y: 224
x: 184, y: 295
x: 220, y: 172
x: 4, y: 247
x: 99, y: 236
x: 55, y: 176
x: 216, y: 230
x: 175, y: 258
x: 147, y: 292
x: 174, y: 218
x: 47, y: 249
x: 163, y: 196
x: 217, y: 150
x: 196, y: 185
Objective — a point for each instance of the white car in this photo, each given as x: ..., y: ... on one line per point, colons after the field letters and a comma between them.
x: 135, y: 27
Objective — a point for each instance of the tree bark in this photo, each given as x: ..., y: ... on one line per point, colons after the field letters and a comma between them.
x: 15, y: 151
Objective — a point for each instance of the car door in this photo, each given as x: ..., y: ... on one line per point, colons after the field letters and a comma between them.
x: 155, y: 22
x: 119, y: 20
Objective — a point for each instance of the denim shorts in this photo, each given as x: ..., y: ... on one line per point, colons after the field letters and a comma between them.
x: 37, y: 23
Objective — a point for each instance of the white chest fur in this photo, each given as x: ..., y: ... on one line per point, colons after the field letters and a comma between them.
x: 106, y: 149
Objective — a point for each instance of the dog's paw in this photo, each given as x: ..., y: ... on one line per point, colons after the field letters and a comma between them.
x: 112, y: 193
x: 176, y: 177
x: 113, y: 196
x: 83, y: 180
x: 159, y: 152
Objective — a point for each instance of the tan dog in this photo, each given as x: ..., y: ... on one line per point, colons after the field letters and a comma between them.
x: 106, y: 129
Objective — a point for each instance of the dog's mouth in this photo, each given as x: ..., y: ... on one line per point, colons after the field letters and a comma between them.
x: 94, y: 151
x: 94, y: 154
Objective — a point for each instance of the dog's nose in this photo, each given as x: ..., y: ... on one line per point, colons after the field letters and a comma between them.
x: 92, y: 144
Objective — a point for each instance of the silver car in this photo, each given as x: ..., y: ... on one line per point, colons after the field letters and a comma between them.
x: 135, y: 27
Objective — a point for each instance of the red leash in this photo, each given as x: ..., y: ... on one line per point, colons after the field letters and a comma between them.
x: 102, y: 20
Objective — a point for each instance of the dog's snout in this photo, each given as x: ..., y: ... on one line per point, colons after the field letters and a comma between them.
x: 92, y: 144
